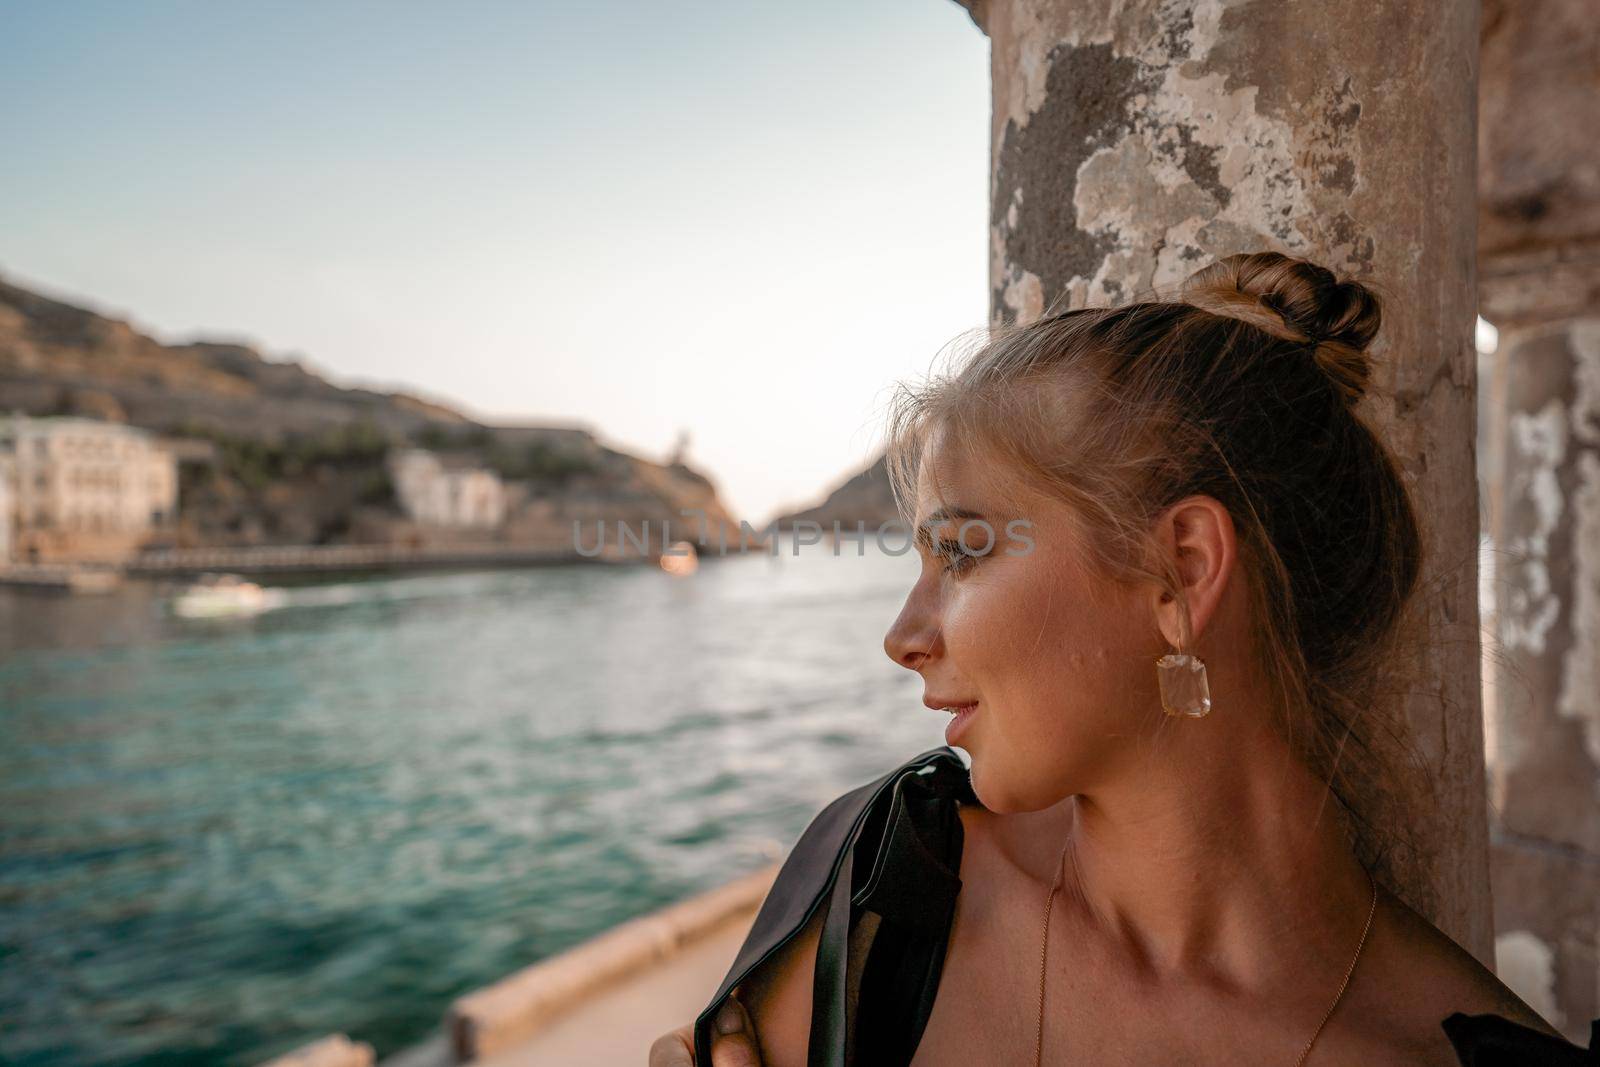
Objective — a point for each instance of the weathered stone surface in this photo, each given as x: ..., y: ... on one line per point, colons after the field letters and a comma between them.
x: 1545, y: 716
x: 1539, y: 282
x: 1538, y: 168
x: 1538, y: 176
x: 1547, y: 918
x: 1134, y: 140
x: 1547, y: 684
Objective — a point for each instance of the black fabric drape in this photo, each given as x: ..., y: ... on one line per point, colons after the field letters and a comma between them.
x: 892, y: 846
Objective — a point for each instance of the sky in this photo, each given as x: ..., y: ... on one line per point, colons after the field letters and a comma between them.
x: 743, y: 220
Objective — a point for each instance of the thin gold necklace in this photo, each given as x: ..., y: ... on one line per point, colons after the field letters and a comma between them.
x: 1044, y: 949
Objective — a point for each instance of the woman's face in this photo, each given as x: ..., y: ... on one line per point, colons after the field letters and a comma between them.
x: 1060, y: 662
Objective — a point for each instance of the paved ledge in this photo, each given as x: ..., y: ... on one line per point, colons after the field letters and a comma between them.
x: 335, y: 1050
x: 615, y: 1027
x: 605, y: 1000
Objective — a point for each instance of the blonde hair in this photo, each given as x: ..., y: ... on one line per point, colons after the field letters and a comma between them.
x: 1242, y: 389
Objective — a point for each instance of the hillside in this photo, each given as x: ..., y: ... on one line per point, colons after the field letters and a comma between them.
x: 865, y: 497
x: 273, y: 453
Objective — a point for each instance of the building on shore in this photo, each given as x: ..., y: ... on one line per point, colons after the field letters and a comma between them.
x: 82, y: 489
x: 440, y: 489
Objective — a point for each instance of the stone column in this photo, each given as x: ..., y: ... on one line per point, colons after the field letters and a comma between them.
x: 1135, y: 140
x: 1539, y: 263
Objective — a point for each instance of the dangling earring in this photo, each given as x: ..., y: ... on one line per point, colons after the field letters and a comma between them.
x: 1183, y: 685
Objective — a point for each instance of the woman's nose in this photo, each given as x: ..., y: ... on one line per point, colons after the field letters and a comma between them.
x: 913, y: 638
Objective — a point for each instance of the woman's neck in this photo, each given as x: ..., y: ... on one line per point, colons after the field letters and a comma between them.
x: 1213, y: 850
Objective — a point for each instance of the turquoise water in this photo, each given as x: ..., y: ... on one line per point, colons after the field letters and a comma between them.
x: 221, y: 839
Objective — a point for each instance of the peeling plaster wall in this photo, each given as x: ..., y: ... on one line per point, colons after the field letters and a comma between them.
x: 1547, y: 909
x: 1539, y: 275
x: 1526, y: 962
x: 1539, y: 184
x: 1546, y: 769
x: 1135, y: 140
x: 1547, y: 766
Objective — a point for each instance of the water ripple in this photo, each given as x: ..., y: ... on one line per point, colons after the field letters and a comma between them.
x: 218, y: 841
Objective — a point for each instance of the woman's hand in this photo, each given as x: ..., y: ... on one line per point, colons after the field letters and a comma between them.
x: 778, y: 993
x: 733, y: 1045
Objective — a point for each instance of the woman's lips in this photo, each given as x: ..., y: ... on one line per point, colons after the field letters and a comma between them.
x: 958, y: 722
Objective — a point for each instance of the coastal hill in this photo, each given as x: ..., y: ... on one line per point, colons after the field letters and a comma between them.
x: 272, y: 453
x: 864, y: 497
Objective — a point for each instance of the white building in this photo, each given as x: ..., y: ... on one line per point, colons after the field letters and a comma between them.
x: 83, y: 484
x: 439, y: 490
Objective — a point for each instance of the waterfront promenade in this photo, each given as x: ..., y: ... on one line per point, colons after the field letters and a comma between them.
x: 287, y: 561
x: 615, y: 1028
x: 601, y: 1003
x: 311, y: 559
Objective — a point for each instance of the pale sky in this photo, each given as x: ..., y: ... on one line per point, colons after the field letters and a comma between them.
x: 743, y: 219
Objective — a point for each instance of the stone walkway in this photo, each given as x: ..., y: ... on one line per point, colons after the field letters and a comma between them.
x: 602, y: 1003
x: 616, y: 1028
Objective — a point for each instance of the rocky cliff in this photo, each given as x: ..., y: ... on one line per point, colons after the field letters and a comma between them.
x: 865, y: 497
x: 274, y: 453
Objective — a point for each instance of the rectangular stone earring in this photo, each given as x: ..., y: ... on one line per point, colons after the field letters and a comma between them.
x: 1183, y: 685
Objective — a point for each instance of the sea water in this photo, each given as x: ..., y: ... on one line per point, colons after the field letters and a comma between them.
x: 222, y: 838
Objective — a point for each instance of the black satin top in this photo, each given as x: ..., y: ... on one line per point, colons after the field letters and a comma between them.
x: 896, y: 843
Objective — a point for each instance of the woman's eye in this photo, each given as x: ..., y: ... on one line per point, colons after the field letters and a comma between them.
x: 957, y: 559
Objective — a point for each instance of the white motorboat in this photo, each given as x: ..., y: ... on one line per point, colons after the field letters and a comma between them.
x: 680, y: 559
x: 220, y: 595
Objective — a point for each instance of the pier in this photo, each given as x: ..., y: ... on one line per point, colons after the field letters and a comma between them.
x: 59, y: 578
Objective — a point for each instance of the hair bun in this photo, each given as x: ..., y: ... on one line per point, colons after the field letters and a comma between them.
x: 1296, y: 300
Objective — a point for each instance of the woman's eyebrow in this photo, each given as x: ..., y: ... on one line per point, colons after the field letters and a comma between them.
x: 939, y: 516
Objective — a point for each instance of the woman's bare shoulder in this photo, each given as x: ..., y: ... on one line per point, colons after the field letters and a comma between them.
x: 777, y: 994
x: 1418, y: 977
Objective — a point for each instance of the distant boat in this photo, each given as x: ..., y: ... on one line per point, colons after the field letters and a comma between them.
x: 215, y: 596
x: 680, y: 558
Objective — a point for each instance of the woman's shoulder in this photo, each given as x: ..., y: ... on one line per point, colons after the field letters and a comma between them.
x: 777, y: 995
x: 1432, y: 1001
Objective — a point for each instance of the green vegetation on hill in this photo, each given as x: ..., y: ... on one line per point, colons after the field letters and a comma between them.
x: 545, y: 462
x: 257, y: 463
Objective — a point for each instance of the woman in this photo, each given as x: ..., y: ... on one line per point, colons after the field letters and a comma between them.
x: 1166, y: 571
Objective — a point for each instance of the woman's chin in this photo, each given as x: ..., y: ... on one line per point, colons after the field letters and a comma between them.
x: 992, y: 795
x: 990, y: 786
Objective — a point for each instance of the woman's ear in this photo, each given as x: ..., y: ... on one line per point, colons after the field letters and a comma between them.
x: 1195, y: 537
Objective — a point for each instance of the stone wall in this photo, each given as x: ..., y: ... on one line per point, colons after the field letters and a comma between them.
x: 1539, y: 262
